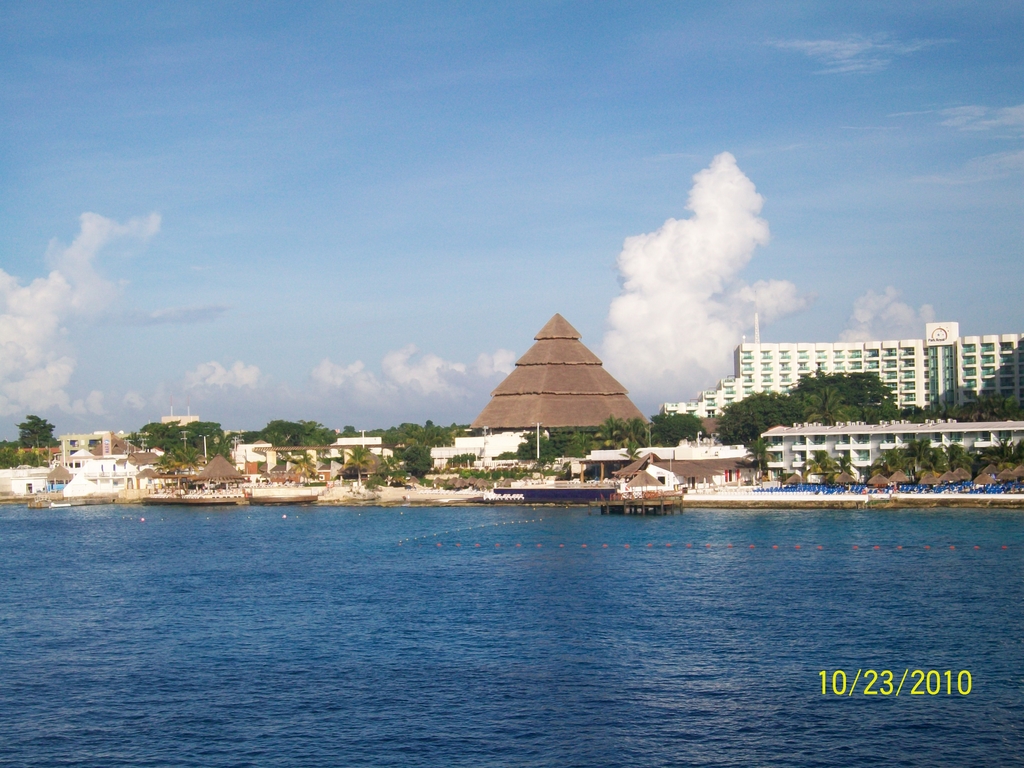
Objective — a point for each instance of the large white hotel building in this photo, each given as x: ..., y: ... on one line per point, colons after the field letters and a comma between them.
x: 943, y: 368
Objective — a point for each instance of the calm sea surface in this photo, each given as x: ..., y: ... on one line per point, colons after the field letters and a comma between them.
x: 312, y: 637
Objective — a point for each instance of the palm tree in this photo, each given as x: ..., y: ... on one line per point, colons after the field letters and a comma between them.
x: 957, y: 457
x: 303, y: 465
x: 581, y: 443
x: 826, y: 407
x: 391, y: 470
x: 823, y: 464
x: 632, y: 449
x: 758, y: 451
x: 360, y: 458
x: 611, y: 433
x: 636, y: 429
x: 187, y: 459
x: 889, y: 462
x: 1003, y: 454
x: 845, y: 464
x: 923, y: 457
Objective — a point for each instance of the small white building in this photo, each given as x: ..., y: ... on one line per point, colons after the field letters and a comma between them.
x: 93, y: 475
x: 486, y: 448
x: 23, y: 481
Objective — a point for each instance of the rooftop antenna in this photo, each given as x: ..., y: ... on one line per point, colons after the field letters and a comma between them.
x: 172, y: 405
x: 757, y: 330
x: 188, y: 400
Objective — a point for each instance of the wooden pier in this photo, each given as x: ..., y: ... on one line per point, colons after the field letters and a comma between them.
x: 659, y: 505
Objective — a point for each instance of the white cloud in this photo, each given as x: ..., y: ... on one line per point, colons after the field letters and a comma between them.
x: 884, y: 316
x: 502, y: 361
x: 998, y: 165
x: 426, y: 374
x: 855, y: 53
x: 407, y: 373
x: 134, y: 400
x: 683, y: 306
x: 978, y: 118
x: 35, y: 367
x: 213, y: 374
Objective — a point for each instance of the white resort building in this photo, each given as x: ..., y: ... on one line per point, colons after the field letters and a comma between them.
x: 943, y: 368
x: 790, y: 448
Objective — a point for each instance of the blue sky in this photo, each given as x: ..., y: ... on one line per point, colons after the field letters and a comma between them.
x: 357, y: 213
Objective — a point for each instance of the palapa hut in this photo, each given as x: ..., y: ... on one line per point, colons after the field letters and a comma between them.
x: 928, y: 478
x: 878, y: 481
x: 1006, y: 476
x: 557, y: 383
x: 58, y: 477
x: 845, y: 478
x: 899, y: 476
x: 962, y: 474
x: 794, y: 479
x: 984, y: 479
x: 219, y: 470
x: 948, y: 477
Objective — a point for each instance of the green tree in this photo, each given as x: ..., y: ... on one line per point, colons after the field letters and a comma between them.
x: 957, y: 457
x: 303, y: 465
x: 35, y: 432
x: 611, y: 433
x: 581, y: 444
x: 825, y: 406
x: 670, y: 429
x: 527, y: 450
x: 632, y: 449
x: 890, y: 461
x: 417, y: 460
x: 866, y: 397
x: 758, y: 451
x: 823, y: 465
x: 361, y: 460
x: 741, y: 423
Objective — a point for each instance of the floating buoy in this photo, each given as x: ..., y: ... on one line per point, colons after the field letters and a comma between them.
x: 751, y: 546
x: 1004, y: 546
x: 626, y: 546
x: 439, y: 543
x: 951, y: 546
x: 728, y: 546
x: 282, y: 517
x: 797, y: 547
x: 877, y: 547
x: 604, y: 546
x: 583, y: 546
x: 820, y: 547
x: 539, y: 545
x: 899, y: 546
x: 855, y: 546
x: 497, y: 544
x: 707, y: 546
x: 775, y: 546
x: 689, y: 545
x: 142, y: 519
x: 927, y: 547
x: 519, y: 545
x: 457, y: 544
x: 478, y: 545
x: 561, y: 546
x: 976, y: 546
x: 651, y: 545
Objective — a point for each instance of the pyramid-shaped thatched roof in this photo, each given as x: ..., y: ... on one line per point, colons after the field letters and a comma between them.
x: 557, y: 383
x: 219, y: 469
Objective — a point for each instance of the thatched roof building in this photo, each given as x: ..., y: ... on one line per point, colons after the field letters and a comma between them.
x: 219, y: 470
x: 557, y: 383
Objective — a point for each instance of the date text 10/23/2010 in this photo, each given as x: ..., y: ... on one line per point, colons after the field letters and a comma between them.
x: 886, y: 683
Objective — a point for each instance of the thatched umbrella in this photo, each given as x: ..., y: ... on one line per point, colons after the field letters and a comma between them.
x: 899, y: 476
x: 948, y: 477
x: 984, y: 479
x: 794, y: 479
x: 878, y: 481
x: 991, y: 469
x: 148, y: 473
x: 59, y: 474
x: 219, y: 470
x: 1006, y: 476
x: 1019, y: 471
x: 845, y: 478
x: 962, y: 474
x: 929, y: 478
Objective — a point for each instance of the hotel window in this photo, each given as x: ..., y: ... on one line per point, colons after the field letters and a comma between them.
x: 843, y: 440
x: 803, y: 367
x: 862, y: 439
x: 766, y: 366
x: 970, y: 371
x: 800, y: 440
x: 855, y: 354
x: 784, y: 366
x: 988, y: 359
x: 840, y: 355
x: 862, y: 455
x: 890, y: 375
x: 748, y: 367
x: 872, y: 365
x: 956, y: 437
x: 970, y: 360
x: 871, y: 353
x: 909, y: 363
x: 909, y: 374
x: 1006, y: 346
x: 969, y: 349
x: 908, y: 351
x: 909, y: 386
x: 748, y: 355
x: 1005, y: 382
x: 840, y: 367
x: 988, y: 347
x: 784, y: 355
x: 802, y: 356
x: 785, y: 377
x: 890, y: 363
x: 971, y: 383
x: 821, y: 355
x: 986, y: 371
x: 890, y: 352
x: 818, y: 440
x: 855, y: 366
x: 766, y: 378
x: 766, y: 355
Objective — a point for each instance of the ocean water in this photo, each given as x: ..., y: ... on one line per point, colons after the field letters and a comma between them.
x: 348, y: 637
